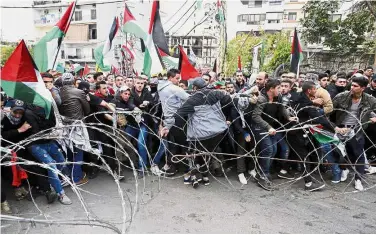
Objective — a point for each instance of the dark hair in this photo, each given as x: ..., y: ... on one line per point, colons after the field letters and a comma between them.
x: 46, y: 75
x: 229, y: 83
x: 109, y: 75
x: 119, y: 76
x: 308, y: 85
x: 172, y: 73
x: 323, y: 75
x: 185, y: 82
x: 96, y: 75
x: 361, y: 81
x: 272, y: 83
x: 207, y: 74
x: 98, y: 84
x: 239, y: 71
x: 343, y: 75
x: 369, y: 67
x: 286, y: 81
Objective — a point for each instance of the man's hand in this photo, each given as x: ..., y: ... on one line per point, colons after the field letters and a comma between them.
x: 373, y: 120
x: 253, y: 99
x: 318, y: 101
x: 293, y: 119
x: 341, y: 131
x: 272, y: 131
x: 88, y: 98
x: 163, y: 132
x: 26, y: 126
x: 228, y: 123
x: 247, y: 137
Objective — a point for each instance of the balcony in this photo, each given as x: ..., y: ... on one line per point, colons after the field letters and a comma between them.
x: 44, y: 21
x: 41, y: 3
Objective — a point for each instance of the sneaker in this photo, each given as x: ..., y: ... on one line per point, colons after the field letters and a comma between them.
x: 344, y: 175
x: 370, y: 170
x: 83, y: 181
x: 5, y: 208
x: 20, y: 193
x: 265, y: 183
x: 187, y: 179
x: 358, y: 185
x: 336, y: 178
x: 169, y: 170
x: 194, y: 182
x: 313, y: 186
x: 51, y: 196
x: 283, y: 174
x: 64, y: 199
x: 252, y: 173
x: 155, y: 170
x: 205, y: 181
x: 242, y: 179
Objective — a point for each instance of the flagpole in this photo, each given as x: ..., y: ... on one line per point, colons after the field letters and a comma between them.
x: 65, y: 32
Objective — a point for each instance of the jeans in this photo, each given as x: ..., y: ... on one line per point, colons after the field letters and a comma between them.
x: 163, y: 145
x: 355, y: 153
x: 141, y: 135
x: 327, y: 152
x: 49, y: 154
x: 75, y: 169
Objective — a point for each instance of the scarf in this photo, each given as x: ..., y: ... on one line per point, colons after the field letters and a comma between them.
x: 98, y: 94
x: 15, y: 121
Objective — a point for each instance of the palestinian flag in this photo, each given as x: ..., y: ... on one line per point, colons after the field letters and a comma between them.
x: 60, y: 68
x: 85, y: 71
x: 20, y: 79
x: 219, y: 17
x: 239, y: 63
x: 131, y: 26
x: 114, y: 70
x: 169, y: 61
x: 46, y: 50
x: 187, y: 70
x: 152, y: 64
x: 326, y: 137
x: 159, y: 37
x: 296, y: 54
x: 101, y: 51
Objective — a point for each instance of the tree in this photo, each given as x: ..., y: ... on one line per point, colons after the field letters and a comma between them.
x: 277, y: 50
x: 241, y: 46
x: 347, y: 35
x: 6, y: 51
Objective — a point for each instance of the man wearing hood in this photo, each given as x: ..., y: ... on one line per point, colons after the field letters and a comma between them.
x: 339, y: 86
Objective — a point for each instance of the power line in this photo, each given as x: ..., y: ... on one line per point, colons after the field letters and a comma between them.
x: 202, y: 21
x: 63, y: 5
x: 184, y: 22
x: 181, y: 17
x: 177, y: 11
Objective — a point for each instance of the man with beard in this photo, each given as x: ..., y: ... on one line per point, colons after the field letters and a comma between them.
x: 239, y: 81
x: 339, y: 85
x: 368, y: 72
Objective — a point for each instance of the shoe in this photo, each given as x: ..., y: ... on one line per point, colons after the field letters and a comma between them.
x: 83, y: 181
x: 344, y: 175
x: 169, y: 170
x: 64, y: 199
x: 313, y: 186
x: 336, y: 178
x: 283, y: 174
x: 242, y: 178
x: 20, y: 193
x: 140, y: 175
x: 195, y: 183
x: 187, y: 179
x: 51, y: 196
x: 370, y: 170
x: 155, y: 170
x: 218, y: 172
x: 205, y: 181
x: 265, y: 183
x: 5, y: 207
x: 358, y: 185
x: 252, y: 173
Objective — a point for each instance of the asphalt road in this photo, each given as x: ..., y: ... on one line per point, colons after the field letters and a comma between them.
x: 169, y: 206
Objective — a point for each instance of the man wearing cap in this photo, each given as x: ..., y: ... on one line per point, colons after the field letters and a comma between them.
x: 48, y: 80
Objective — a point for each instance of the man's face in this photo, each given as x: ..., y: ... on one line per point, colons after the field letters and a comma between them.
x: 119, y: 81
x: 312, y: 92
x: 103, y: 90
x: 175, y: 80
x: 373, y: 84
x: 324, y: 82
x: 275, y: 91
x: 17, y: 113
x: 48, y: 82
x: 183, y: 86
x: 230, y: 88
x: 239, y: 77
x: 110, y: 80
x: 341, y: 82
x: 90, y: 79
x: 139, y: 84
x: 206, y: 78
x: 129, y: 82
x: 368, y: 72
x: 77, y: 83
x: 260, y: 80
x: 285, y: 88
x: 356, y: 89
x: 220, y: 77
x: 100, y: 78
x: 291, y: 77
x: 125, y: 95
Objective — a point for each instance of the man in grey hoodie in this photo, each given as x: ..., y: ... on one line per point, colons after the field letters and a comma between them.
x: 172, y: 97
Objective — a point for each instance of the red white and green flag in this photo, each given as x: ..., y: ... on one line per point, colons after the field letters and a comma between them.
x: 169, y: 61
x: 47, y: 49
x: 20, y: 79
x: 131, y: 26
x: 101, y: 51
x: 296, y: 54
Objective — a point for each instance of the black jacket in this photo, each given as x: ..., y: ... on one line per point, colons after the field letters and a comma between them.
x: 121, y: 105
x: 74, y: 104
x: 370, y: 91
x: 9, y: 131
x: 138, y: 100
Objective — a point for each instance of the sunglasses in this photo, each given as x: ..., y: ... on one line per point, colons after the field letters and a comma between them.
x: 47, y: 81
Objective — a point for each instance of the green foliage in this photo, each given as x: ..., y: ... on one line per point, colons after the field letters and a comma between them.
x: 277, y: 50
x: 345, y: 35
x: 240, y: 46
x: 6, y: 51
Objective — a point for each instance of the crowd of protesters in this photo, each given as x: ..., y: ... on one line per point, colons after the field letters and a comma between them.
x: 195, y: 127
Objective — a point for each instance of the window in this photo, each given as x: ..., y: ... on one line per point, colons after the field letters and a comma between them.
x: 77, y: 16
x: 274, y: 15
x: 255, y: 4
x: 335, y: 17
x: 92, y: 31
x: 78, y: 53
x: 275, y: 2
x: 251, y: 18
x: 93, y: 14
x: 292, y: 16
x: 92, y: 53
x: 273, y: 21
